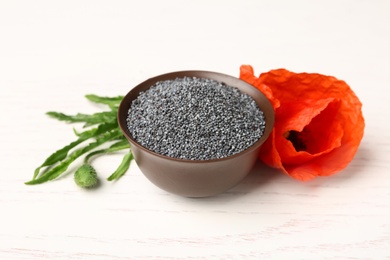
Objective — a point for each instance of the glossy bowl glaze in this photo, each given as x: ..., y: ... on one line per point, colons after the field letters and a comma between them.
x: 196, y: 178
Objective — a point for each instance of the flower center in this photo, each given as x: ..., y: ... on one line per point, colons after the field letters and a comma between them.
x: 322, y: 134
x: 296, y: 139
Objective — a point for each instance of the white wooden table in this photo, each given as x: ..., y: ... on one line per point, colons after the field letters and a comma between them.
x: 52, y: 53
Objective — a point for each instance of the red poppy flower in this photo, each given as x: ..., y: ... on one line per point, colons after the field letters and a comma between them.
x: 318, y: 122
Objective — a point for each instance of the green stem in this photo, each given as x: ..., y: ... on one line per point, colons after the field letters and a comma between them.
x: 63, y: 166
x: 61, y: 154
x: 121, y: 145
x: 123, y: 167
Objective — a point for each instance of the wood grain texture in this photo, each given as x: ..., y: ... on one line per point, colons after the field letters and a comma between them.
x: 52, y: 53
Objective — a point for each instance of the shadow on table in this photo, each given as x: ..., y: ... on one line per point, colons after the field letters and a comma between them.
x: 364, y: 159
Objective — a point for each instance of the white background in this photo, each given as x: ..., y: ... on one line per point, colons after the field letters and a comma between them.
x: 52, y: 53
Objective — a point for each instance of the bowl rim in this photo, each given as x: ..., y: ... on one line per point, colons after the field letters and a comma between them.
x: 124, y: 107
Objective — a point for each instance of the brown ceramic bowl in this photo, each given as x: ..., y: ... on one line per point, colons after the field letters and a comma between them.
x: 196, y: 178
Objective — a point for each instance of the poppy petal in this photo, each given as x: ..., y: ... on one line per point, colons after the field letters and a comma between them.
x: 318, y: 122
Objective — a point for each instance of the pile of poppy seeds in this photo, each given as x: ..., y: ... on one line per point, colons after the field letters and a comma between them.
x: 195, y: 119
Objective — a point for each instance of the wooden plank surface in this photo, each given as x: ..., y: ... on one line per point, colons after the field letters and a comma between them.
x: 52, y: 53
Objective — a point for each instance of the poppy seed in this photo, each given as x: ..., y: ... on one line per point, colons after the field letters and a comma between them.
x: 195, y: 119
